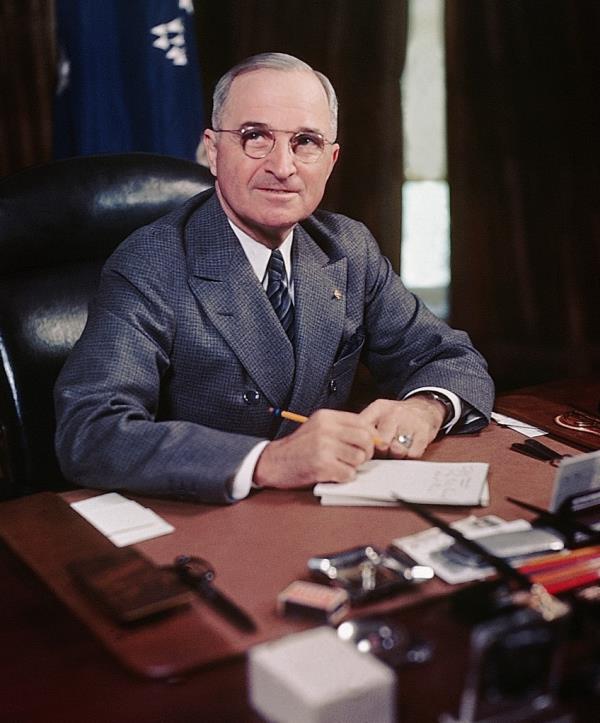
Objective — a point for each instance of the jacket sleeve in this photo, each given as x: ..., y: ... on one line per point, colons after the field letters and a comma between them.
x: 107, y: 399
x: 408, y: 347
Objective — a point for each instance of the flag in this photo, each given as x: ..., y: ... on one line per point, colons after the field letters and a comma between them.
x: 128, y: 78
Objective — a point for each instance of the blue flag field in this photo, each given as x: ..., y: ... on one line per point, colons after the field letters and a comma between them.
x: 128, y: 78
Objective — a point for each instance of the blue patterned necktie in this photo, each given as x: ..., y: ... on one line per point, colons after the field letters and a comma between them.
x: 279, y: 296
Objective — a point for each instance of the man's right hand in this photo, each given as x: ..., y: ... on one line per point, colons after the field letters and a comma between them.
x: 327, y: 448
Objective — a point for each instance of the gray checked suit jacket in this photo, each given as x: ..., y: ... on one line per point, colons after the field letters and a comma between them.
x: 170, y: 385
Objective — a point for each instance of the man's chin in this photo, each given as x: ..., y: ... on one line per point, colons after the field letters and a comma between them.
x: 272, y: 233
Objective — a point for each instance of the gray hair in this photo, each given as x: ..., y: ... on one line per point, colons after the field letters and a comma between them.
x: 271, y: 61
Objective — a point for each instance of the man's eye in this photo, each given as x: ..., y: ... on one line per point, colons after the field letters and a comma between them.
x: 253, y: 134
x: 307, y: 139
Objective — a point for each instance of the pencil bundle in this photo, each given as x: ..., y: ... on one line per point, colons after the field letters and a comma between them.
x: 566, y: 570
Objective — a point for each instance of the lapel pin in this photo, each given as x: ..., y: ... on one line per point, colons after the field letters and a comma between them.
x: 337, y: 294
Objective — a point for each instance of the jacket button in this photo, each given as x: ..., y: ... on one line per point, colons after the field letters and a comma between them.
x: 332, y: 386
x: 251, y: 396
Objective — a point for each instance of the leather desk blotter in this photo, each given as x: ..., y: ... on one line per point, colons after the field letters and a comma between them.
x: 257, y: 548
x: 46, y: 534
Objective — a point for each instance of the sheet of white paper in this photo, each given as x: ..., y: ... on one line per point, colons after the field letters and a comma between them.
x: 112, y: 518
x: 523, y: 428
x: 444, y: 483
x: 426, y: 547
x: 129, y: 537
x: 122, y: 520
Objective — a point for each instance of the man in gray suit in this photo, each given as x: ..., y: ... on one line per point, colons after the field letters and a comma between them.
x: 247, y: 299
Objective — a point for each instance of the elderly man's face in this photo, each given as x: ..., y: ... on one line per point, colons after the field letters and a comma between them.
x: 266, y: 197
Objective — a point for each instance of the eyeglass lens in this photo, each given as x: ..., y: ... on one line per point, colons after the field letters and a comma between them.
x: 259, y: 142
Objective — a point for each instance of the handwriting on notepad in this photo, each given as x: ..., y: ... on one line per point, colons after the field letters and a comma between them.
x: 446, y: 483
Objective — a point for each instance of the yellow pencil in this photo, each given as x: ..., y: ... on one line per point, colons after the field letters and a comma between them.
x: 278, y: 412
x: 300, y: 418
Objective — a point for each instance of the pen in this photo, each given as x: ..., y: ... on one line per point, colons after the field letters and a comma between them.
x: 196, y: 573
x: 300, y: 418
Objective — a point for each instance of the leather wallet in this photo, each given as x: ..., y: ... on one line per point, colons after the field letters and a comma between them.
x: 128, y: 586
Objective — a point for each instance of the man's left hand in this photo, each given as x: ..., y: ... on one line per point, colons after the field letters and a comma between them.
x: 405, y: 428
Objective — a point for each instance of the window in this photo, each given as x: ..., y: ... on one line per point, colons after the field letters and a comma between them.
x: 425, y: 259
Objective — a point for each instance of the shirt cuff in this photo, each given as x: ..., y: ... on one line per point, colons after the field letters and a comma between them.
x: 454, y: 398
x: 242, y: 482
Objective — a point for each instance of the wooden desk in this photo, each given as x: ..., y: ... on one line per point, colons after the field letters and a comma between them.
x: 540, y: 404
x: 52, y: 667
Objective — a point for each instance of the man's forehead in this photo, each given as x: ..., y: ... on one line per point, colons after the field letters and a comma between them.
x: 274, y: 93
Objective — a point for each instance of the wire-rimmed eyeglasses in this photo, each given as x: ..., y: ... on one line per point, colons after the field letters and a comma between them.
x: 258, y: 142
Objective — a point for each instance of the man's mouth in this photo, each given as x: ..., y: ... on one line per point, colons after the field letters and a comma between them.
x: 282, y: 191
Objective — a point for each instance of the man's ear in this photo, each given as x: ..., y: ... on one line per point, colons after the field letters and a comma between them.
x: 210, y: 143
x: 334, y: 157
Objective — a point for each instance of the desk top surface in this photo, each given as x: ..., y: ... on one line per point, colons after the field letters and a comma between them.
x: 257, y: 546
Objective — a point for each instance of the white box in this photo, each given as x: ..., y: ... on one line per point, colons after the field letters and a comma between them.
x: 314, y: 677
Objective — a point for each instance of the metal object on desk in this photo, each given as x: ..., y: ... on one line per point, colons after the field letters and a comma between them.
x: 513, y: 545
x: 386, y: 640
x: 199, y: 575
x: 367, y: 572
x: 580, y: 421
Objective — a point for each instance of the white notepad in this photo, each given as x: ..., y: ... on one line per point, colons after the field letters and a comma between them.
x: 123, y: 521
x: 438, y: 483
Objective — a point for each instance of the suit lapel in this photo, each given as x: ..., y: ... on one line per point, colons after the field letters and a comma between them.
x: 226, y: 287
x: 320, y: 308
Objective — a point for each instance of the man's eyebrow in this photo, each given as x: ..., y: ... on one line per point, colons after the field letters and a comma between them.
x: 266, y: 126
x: 253, y: 124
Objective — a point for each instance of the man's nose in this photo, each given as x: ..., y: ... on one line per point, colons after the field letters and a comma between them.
x: 281, y: 161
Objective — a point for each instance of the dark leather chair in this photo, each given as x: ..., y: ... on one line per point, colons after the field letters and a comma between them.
x: 58, y: 223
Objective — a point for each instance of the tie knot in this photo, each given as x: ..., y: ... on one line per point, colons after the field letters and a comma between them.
x: 276, y: 265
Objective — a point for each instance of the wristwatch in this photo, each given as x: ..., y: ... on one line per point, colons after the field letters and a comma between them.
x: 449, y: 407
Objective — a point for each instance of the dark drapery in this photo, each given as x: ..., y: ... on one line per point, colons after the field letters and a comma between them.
x: 523, y: 126
x: 360, y: 46
x: 26, y: 83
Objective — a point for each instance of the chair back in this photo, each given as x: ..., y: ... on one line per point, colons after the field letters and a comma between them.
x: 58, y: 224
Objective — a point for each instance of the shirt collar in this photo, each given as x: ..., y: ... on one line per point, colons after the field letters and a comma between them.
x: 258, y: 254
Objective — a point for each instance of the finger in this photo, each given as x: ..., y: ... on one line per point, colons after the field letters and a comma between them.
x: 353, y: 455
x: 341, y: 424
x: 348, y: 444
